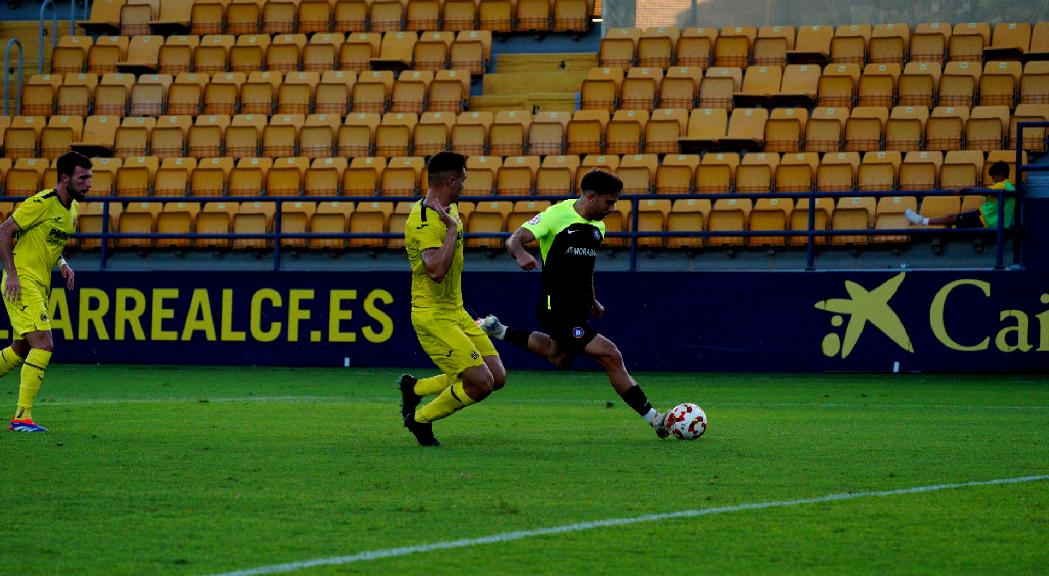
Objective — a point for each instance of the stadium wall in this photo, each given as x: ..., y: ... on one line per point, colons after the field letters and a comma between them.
x: 959, y: 321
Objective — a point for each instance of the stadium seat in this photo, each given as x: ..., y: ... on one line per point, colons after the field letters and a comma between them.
x: 967, y: 41
x: 945, y: 127
x: 363, y: 176
x: 295, y: 219
x: 600, y: 89
x: 176, y: 55
x: 687, y: 215
x: 532, y: 15
x: 402, y: 177
x: 784, y: 129
x: 207, y: 17
x: 98, y: 136
x: 90, y: 221
x: 879, y: 171
x: 243, y: 17
x: 1039, y: 42
x: 837, y: 86
x: 640, y: 87
x: 432, y: 133
x: 215, y: 218
x: 104, y: 172
x: 652, y: 217
x: 76, y: 95
x: 459, y: 15
x: 211, y: 177
x: 433, y: 48
x: 449, y: 91
x: 716, y: 174
x: 770, y: 215
x: 889, y: 215
x: 585, y: 132
x: 248, y: 177
x: 719, y: 86
x: 253, y: 218
x: 321, y: 54
x: 258, y: 93
x: 929, y: 42
x: 112, y: 94
x: 1034, y: 84
x: 695, y: 47
x: 1033, y: 138
x: 812, y: 45
x: 22, y: 137
x: 372, y: 91
x: 746, y: 130
x: 618, y: 48
x: 877, y: 86
x: 393, y: 136
x: 824, y: 129
x: 797, y: 172
x: 103, y: 55
x: 985, y: 129
x: 395, y: 224
x: 324, y: 177
x: 142, y: 55
x: 169, y: 136
x: 732, y: 46
x: 350, y: 16
x: 999, y: 84
x: 546, y: 133
x: 800, y: 85
x: 523, y: 211
x: 333, y: 92
x: 59, y: 135
x: 865, y: 129
x: 488, y: 218
x: 149, y: 95
x: 25, y: 177
x: 138, y: 218
x: 655, y: 47
x: 1011, y: 41
x: 760, y: 83
x: 638, y: 172
x: 173, y: 177
x: 756, y: 172
x: 706, y: 126
x: 837, y: 172
x: 920, y: 170
x: 287, y: 176
x: 244, y: 135
x: 959, y: 83
x: 495, y: 15
x: 481, y: 174
x: 680, y: 88
x: 961, y: 169
x: 849, y: 44
x: 471, y: 50
x: 314, y: 16
x: 176, y: 218
x: 517, y: 175
x: 918, y: 84
x: 509, y: 133
x: 676, y: 174
x: 771, y: 45
x: 70, y: 56
x: 357, y: 51
x: 136, y: 16
x: 318, y: 134
x: 284, y: 53
x: 212, y: 53
x: 729, y: 215
x: 185, y: 95
x: 852, y: 213
x: 135, y: 176
x: 905, y: 128
x: 469, y: 134
x: 396, y: 51
x: 367, y: 218
x: 556, y: 175
x: 249, y: 54
x: 625, y: 132
x: 132, y: 138
x: 409, y: 91
x: 357, y: 134
x: 280, y: 136
x: 38, y: 94
x: 889, y: 43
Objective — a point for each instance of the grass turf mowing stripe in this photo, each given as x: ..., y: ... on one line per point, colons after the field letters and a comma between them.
x: 581, y: 526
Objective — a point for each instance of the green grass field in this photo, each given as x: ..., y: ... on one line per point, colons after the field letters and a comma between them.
x: 172, y: 470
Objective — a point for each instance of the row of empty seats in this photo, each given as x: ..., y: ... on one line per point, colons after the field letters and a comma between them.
x: 997, y: 83
x: 467, y: 50
x: 845, y: 44
x: 714, y: 173
x: 510, y: 133
x: 334, y: 92
x: 138, y: 17
x: 502, y: 217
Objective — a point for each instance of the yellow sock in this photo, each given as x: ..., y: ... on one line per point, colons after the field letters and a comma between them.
x: 32, y: 375
x: 434, y: 384
x: 453, y: 399
x: 9, y: 360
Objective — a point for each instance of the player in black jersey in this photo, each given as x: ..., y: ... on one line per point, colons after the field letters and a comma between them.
x: 570, y: 235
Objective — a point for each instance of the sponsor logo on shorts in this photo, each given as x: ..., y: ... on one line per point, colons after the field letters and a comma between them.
x: 578, y: 332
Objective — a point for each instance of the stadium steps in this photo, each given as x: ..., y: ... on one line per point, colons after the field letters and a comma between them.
x: 28, y: 33
x: 538, y: 82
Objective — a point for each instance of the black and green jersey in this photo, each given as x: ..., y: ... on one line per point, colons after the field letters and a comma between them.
x: 568, y: 244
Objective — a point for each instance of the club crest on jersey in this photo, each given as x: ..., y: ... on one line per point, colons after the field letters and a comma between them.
x: 535, y: 219
x: 577, y: 332
x: 474, y: 355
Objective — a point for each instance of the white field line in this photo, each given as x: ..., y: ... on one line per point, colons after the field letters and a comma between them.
x: 581, y: 526
x: 518, y: 401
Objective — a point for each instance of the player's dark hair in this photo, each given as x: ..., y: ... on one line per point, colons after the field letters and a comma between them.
x: 443, y: 162
x: 70, y: 161
x: 601, y: 182
x: 999, y: 170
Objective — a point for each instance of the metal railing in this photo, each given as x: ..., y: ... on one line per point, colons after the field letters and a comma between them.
x: 8, y: 72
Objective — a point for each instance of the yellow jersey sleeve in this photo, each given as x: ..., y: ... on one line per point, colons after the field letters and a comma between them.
x: 30, y: 212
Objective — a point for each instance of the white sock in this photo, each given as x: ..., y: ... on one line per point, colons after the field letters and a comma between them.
x: 915, y: 218
x: 654, y: 418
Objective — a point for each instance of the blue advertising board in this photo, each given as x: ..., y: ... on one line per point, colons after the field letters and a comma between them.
x: 943, y: 321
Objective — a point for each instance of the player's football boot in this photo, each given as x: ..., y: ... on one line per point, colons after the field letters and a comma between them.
x: 25, y: 426
x: 661, y: 427
x: 491, y: 326
x: 423, y: 431
x: 409, y: 399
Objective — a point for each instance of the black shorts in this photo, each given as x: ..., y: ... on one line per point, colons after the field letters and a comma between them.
x: 970, y: 219
x: 569, y: 329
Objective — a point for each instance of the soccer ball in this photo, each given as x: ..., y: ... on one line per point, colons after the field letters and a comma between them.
x: 686, y: 421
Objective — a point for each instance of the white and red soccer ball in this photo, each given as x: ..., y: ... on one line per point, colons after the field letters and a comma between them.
x: 686, y: 421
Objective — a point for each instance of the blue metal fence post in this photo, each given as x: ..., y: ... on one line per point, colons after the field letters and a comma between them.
x: 810, y: 250
x: 54, y: 30
x: 277, y: 229
x: 21, y: 73
x: 103, y: 253
x: 635, y: 203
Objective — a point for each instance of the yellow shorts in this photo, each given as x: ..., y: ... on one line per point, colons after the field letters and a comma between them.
x: 30, y: 313
x: 451, y: 338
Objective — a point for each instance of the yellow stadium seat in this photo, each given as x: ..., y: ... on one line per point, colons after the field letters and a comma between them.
x: 481, y: 174
x: 967, y: 41
x: 509, y: 133
x: 321, y: 54
x: 372, y: 91
x: 838, y: 84
x: 459, y: 15
x: 945, y: 127
x: 732, y: 46
x: 244, y: 135
x: 771, y: 45
x: 248, y: 177
x: 517, y: 175
x: 357, y: 51
x: 852, y: 213
x: 824, y: 129
x: 76, y: 94
x: 363, y: 176
x: 393, y: 136
x: 799, y: 219
x: 211, y: 177
x: 357, y: 134
x: 1034, y: 84
x: 395, y: 224
x: 959, y: 83
x: 402, y: 177
x: 90, y: 221
x: 410, y: 90
x: 718, y: 87
x: 432, y: 50
x: 471, y: 50
x: 557, y: 175
x: 495, y: 15
x: 135, y: 176
x: 918, y: 84
x: 680, y: 87
x: 212, y: 54
x: 584, y: 132
x: 905, y: 128
x: 488, y: 218
x: 333, y: 92
x: 695, y: 47
x: 280, y: 136
x: 676, y: 174
x: 103, y: 55
x: 877, y: 86
x: 999, y: 84
x: 812, y: 45
x: 59, y: 134
x: 865, y: 129
x: 920, y: 170
x: 132, y: 138
x: 1011, y: 41
x: 176, y: 218
x: 625, y: 132
x: 837, y: 172
x: 449, y: 91
x: 800, y: 85
x: 350, y: 16
x: 70, y: 56
x: 215, y: 218
x: 112, y: 94
x: 470, y: 133
x: 985, y: 129
x: 889, y: 43
x: 368, y: 218
x: 258, y: 92
x: 287, y: 176
x: 332, y: 217
x: 432, y: 133
x: 716, y: 174
x: 687, y: 215
x: 706, y: 126
x: 784, y: 129
x: 929, y: 42
x: 138, y: 218
x: 849, y: 44
x: 655, y: 47
x: 324, y: 177
x: 173, y: 176
x: 317, y: 136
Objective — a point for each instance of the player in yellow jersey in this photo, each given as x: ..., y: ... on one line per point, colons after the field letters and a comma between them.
x: 470, y: 367
x: 31, y: 243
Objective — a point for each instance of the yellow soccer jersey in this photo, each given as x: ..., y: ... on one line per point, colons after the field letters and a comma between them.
x: 45, y: 226
x: 422, y: 231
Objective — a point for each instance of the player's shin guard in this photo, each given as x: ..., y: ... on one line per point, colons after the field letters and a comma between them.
x: 517, y: 337
x: 452, y: 400
x: 434, y: 384
x: 32, y: 376
x: 635, y: 398
x: 9, y: 360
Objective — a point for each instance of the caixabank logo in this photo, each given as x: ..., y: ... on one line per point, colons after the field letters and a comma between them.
x: 991, y: 326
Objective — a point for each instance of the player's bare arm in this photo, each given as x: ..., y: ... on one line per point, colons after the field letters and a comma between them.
x: 515, y: 245
x: 67, y: 273
x: 12, y: 286
x: 439, y: 260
